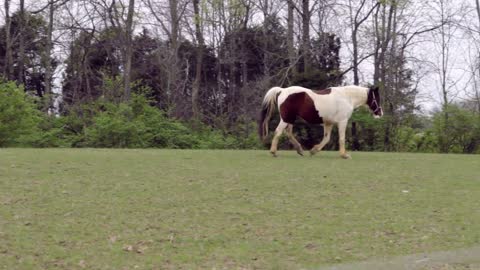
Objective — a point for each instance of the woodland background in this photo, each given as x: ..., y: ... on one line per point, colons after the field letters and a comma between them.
x: 192, y: 73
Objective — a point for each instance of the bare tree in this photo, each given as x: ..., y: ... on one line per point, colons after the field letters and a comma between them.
x: 124, y: 29
x: 443, y: 41
x: 290, y: 27
x: 174, y: 38
x: 47, y: 58
x: 476, y: 87
x: 306, y: 15
x: 198, y: 70
x: 168, y: 17
x: 357, y: 19
x: 21, y: 45
x: 128, y: 48
x: 8, y: 66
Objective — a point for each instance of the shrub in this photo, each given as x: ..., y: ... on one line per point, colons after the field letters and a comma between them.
x: 18, y: 116
x: 53, y: 132
x: 116, y: 127
x: 136, y: 124
x: 461, y: 132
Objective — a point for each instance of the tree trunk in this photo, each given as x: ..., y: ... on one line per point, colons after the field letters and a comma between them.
x: 8, y: 65
x: 378, y: 42
x: 383, y: 30
x: 356, y: 80
x: 477, y: 94
x: 443, y: 75
x: 477, y: 2
x: 305, y: 35
x: 390, y: 77
x: 387, y: 38
x: 198, y: 69
x: 357, y: 22
x: 21, y: 44
x: 290, y: 25
x: 266, y: 56
x: 128, y: 49
x: 174, y: 27
x: 47, y: 57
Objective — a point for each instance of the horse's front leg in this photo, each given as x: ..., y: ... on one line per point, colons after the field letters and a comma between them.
x: 342, y: 128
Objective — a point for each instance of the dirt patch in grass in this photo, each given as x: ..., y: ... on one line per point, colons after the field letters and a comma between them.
x: 461, y: 259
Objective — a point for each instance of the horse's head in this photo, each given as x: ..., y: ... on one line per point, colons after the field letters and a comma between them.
x: 373, y: 102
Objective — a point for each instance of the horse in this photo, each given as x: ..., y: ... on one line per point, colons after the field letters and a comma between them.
x: 330, y: 106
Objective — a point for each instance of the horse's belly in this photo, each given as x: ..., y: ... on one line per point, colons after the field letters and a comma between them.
x: 311, y: 116
x: 330, y: 110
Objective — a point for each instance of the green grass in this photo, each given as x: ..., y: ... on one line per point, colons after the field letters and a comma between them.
x: 187, y: 209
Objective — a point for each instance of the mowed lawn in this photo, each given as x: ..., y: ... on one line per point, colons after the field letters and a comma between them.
x: 193, y: 209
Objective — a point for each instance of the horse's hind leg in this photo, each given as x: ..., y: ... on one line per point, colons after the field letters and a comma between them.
x: 327, y: 130
x: 278, y: 132
x: 294, y: 141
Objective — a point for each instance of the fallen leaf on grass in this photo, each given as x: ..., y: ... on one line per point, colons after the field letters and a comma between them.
x: 128, y: 248
x: 112, y: 239
x: 139, y: 248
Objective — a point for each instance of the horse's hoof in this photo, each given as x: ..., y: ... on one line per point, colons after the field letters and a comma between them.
x: 312, y: 152
x: 346, y: 156
x: 300, y: 152
x: 273, y: 154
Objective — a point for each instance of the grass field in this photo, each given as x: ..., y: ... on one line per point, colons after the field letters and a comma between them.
x: 187, y: 209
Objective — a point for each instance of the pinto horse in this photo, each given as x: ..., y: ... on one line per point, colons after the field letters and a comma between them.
x: 328, y: 107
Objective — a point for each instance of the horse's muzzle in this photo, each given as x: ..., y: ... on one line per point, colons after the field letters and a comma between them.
x: 375, y: 115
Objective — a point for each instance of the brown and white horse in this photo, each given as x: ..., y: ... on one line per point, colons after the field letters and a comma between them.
x: 328, y: 107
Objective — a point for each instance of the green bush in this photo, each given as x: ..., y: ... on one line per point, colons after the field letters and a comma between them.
x: 460, y: 133
x: 135, y: 124
x: 116, y: 127
x: 19, y: 118
x: 404, y: 139
x: 426, y: 142
x: 52, y: 132
x: 370, y: 131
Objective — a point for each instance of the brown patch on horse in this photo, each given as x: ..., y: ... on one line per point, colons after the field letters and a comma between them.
x: 299, y: 105
x: 323, y: 91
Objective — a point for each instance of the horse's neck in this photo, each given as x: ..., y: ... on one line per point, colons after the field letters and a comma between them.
x: 357, y: 95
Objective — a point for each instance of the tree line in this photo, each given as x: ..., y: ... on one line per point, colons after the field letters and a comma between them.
x: 192, y: 73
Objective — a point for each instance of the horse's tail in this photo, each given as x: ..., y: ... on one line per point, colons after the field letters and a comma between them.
x: 268, y: 107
